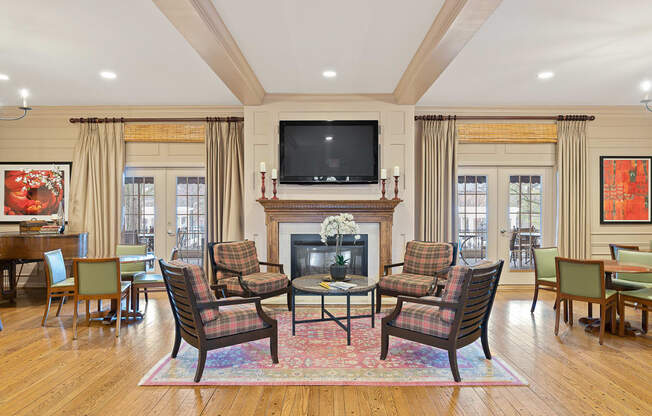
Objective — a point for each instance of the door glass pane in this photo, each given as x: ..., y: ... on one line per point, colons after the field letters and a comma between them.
x: 191, y: 218
x: 138, y: 211
x: 472, y: 218
x: 524, y: 219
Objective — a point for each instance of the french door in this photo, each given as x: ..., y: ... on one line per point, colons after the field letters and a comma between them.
x: 165, y: 208
x: 503, y: 213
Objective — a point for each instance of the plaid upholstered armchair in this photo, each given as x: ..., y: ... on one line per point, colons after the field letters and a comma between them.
x: 423, y: 264
x: 236, y: 270
x: 456, y: 319
x: 207, y: 323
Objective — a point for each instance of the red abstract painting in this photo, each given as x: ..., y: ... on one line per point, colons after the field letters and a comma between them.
x: 625, y: 189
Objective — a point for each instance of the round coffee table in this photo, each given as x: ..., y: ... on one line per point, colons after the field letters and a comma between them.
x: 309, y: 285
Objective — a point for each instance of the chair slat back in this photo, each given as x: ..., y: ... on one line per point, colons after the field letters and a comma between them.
x: 478, y: 299
x: 97, y: 276
x: 55, y: 267
x: 182, y: 300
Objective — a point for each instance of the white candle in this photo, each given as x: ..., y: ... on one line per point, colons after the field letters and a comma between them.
x: 262, y: 167
x: 274, y: 174
x: 397, y: 171
x: 383, y: 174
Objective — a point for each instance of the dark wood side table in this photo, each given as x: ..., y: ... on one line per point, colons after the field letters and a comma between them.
x: 309, y: 285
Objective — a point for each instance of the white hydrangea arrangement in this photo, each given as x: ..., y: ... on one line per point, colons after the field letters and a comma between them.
x: 338, y: 226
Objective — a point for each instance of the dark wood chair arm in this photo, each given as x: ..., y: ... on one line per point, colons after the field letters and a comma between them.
x: 218, y: 287
x: 266, y: 263
x: 225, y: 269
x: 389, y: 266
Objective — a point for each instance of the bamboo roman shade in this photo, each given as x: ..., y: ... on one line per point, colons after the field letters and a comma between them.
x: 506, y: 133
x: 168, y: 132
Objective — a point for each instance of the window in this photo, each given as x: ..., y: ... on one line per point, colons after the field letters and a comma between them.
x: 525, y: 198
x: 139, y: 211
x: 191, y: 217
x: 472, y: 218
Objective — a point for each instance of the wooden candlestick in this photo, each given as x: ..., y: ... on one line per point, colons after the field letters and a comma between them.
x: 274, y: 188
x: 383, y: 189
x: 395, y: 187
x: 262, y: 185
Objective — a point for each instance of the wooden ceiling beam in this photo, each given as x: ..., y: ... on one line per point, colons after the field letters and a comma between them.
x: 455, y: 24
x: 201, y: 25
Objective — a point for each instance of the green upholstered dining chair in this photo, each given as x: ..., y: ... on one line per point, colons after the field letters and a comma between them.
x: 99, y: 279
x: 641, y: 298
x: 584, y: 280
x: 148, y: 282
x: 614, y: 248
x: 634, y: 281
x: 545, y: 273
x: 129, y: 270
x: 57, y: 281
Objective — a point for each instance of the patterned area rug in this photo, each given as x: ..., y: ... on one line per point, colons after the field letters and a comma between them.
x: 318, y: 355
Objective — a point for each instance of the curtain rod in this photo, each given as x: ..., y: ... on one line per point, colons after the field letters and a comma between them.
x: 152, y: 120
x: 554, y: 118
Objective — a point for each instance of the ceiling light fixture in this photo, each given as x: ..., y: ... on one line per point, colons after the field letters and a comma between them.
x: 328, y: 138
x: 24, y: 93
x: 545, y: 75
x: 329, y: 74
x: 4, y: 77
x: 108, y: 75
x: 646, y: 86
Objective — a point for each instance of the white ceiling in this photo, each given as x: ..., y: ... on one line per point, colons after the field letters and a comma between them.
x: 600, y: 51
x: 289, y: 43
x: 57, y: 48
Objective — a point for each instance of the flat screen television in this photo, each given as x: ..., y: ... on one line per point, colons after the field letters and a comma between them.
x: 328, y: 152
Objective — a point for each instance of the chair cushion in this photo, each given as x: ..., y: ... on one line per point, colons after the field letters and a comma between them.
x: 148, y: 278
x: 259, y: 283
x: 642, y: 294
x: 408, y: 284
x: 427, y: 258
x: 67, y: 282
x: 234, y: 319
x: 200, y: 289
x: 240, y: 256
x: 628, y: 285
x: 548, y: 279
x: 453, y: 290
x: 609, y: 293
x: 425, y: 319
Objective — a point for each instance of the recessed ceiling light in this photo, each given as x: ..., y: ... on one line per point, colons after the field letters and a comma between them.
x: 646, y: 85
x: 329, y: 74
x: 545, y: 75
x: 328, y: 138
x: 4, y: 77
x: 108, y: 75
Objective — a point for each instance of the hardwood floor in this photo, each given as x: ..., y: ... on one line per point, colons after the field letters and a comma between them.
x: 44, y: 372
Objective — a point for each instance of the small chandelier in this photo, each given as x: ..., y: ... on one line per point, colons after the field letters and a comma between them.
x: 23, y: 93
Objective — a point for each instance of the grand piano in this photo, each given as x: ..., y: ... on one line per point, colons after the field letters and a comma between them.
x: 20, y: 248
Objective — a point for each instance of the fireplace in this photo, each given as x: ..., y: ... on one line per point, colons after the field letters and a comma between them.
x: 310, y: 256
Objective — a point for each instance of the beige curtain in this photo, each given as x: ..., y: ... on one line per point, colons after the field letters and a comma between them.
x: 437, y: 182
x: 225, y: 180
x: 573, y: 205
x: 97, y: 171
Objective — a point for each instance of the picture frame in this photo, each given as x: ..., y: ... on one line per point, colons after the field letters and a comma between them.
x: 33, y: 190
x: 625, y: 189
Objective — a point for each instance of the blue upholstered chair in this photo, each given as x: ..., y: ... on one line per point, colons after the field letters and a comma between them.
x: 57, y: 281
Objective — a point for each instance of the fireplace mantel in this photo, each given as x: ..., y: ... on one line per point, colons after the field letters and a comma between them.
x: 314, y: 211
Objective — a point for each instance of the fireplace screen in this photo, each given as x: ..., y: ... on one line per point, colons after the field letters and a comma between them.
x: 311, y: 256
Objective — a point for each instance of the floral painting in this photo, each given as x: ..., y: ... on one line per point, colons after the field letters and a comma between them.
x: 625, y: 190
x: 34, y: 190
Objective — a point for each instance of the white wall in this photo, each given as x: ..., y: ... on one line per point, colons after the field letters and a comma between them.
x: 396, y: 149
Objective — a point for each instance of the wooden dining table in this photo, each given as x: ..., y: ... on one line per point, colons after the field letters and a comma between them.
x: 611, y: 267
